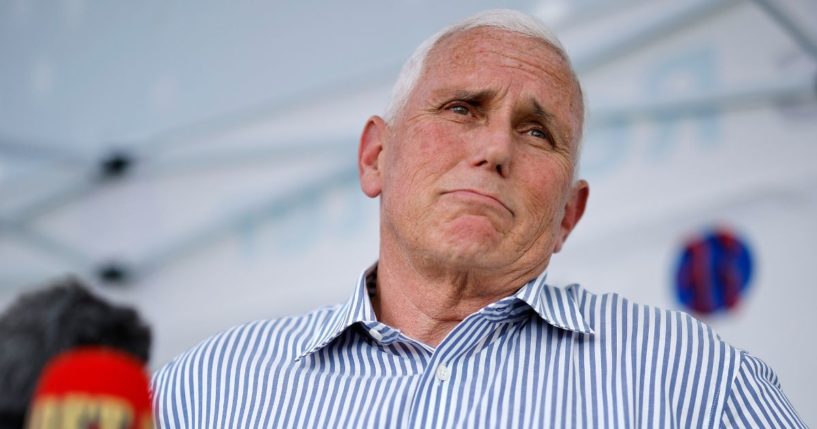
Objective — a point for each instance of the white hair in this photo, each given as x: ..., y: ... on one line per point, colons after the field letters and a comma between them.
x: 503, y: 19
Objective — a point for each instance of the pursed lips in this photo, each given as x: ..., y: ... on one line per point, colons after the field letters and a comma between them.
x: 481, y: 196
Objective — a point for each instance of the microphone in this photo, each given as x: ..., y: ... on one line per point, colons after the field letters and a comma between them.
x: 42, y: 324
x: 92, y: 388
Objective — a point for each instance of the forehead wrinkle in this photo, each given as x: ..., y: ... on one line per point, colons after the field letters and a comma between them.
x: 476, y: 46
x: 559, y: 73
x: 555, y: 65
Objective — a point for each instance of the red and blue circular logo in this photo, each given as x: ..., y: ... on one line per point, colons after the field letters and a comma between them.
x: 714, y: 272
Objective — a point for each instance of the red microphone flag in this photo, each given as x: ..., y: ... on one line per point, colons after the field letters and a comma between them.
x: 92, y: 388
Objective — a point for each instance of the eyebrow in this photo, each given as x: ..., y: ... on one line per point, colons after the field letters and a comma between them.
x: 557, y: 132
x: 479, y: 96
x: 539, y: 111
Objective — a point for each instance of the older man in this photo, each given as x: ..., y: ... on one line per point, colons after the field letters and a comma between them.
x: 455, y: 325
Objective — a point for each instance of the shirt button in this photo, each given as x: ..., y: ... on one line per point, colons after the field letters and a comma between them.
x: 443, y: 372
x: 376, y: 335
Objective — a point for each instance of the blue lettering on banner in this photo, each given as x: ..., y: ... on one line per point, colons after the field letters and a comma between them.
x: 610, y: 146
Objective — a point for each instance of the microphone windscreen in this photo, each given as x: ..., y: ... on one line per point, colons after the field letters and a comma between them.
x: 92, y: 388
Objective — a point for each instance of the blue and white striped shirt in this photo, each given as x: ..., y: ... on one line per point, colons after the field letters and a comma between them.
x: 543, y: 357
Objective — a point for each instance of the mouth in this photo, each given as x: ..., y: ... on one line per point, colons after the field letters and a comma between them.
x: 479, y: 197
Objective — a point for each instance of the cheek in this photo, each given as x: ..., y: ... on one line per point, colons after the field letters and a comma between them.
x: 434, y: 140
x: 546, y: 189
x: 409, y: 165
x: 425, y: 154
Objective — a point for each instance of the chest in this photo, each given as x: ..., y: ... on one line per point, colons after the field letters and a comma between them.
x: 525, y: 374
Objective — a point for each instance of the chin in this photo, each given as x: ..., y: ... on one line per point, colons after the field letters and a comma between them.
x: 463, y: 259
x: 474, y: 244
x: 472, y: 228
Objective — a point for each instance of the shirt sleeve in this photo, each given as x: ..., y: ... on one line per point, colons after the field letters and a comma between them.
x: 168, y: 398
x: 158, y: 392
x: 756, y: 399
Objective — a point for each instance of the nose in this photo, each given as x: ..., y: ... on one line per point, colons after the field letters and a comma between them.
x: 493, y: 151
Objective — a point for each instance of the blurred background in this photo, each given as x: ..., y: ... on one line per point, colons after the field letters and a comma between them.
x: 197, y: 159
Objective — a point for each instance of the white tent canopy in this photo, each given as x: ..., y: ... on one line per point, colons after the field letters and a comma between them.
x: 198, y: 161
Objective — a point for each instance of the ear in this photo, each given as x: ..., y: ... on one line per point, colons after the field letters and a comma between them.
x: 368, y: 156
x: 574, y: 209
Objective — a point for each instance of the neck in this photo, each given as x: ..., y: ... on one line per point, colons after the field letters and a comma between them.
x: 427, y: 303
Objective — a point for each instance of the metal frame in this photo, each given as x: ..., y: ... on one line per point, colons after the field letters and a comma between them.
x: 789, y: 25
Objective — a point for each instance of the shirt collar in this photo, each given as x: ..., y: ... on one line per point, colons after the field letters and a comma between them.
x: 358, y: 308
x: 554, y: 305
x: 557, y: 306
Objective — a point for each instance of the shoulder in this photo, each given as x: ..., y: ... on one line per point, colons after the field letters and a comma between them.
x: 756, y: 398
x: 609, y: 313
x: 233, y: 358
x: 688, y: 359
x: 672, y: 361
x: 284, y: 337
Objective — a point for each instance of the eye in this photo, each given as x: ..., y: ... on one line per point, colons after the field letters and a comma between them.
x: 459, y: 109
x: 540, y: 134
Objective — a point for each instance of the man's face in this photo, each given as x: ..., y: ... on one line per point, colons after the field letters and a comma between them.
x: 476, y: 171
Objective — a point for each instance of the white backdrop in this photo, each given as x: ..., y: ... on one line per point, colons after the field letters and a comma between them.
x: 242, y: 123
